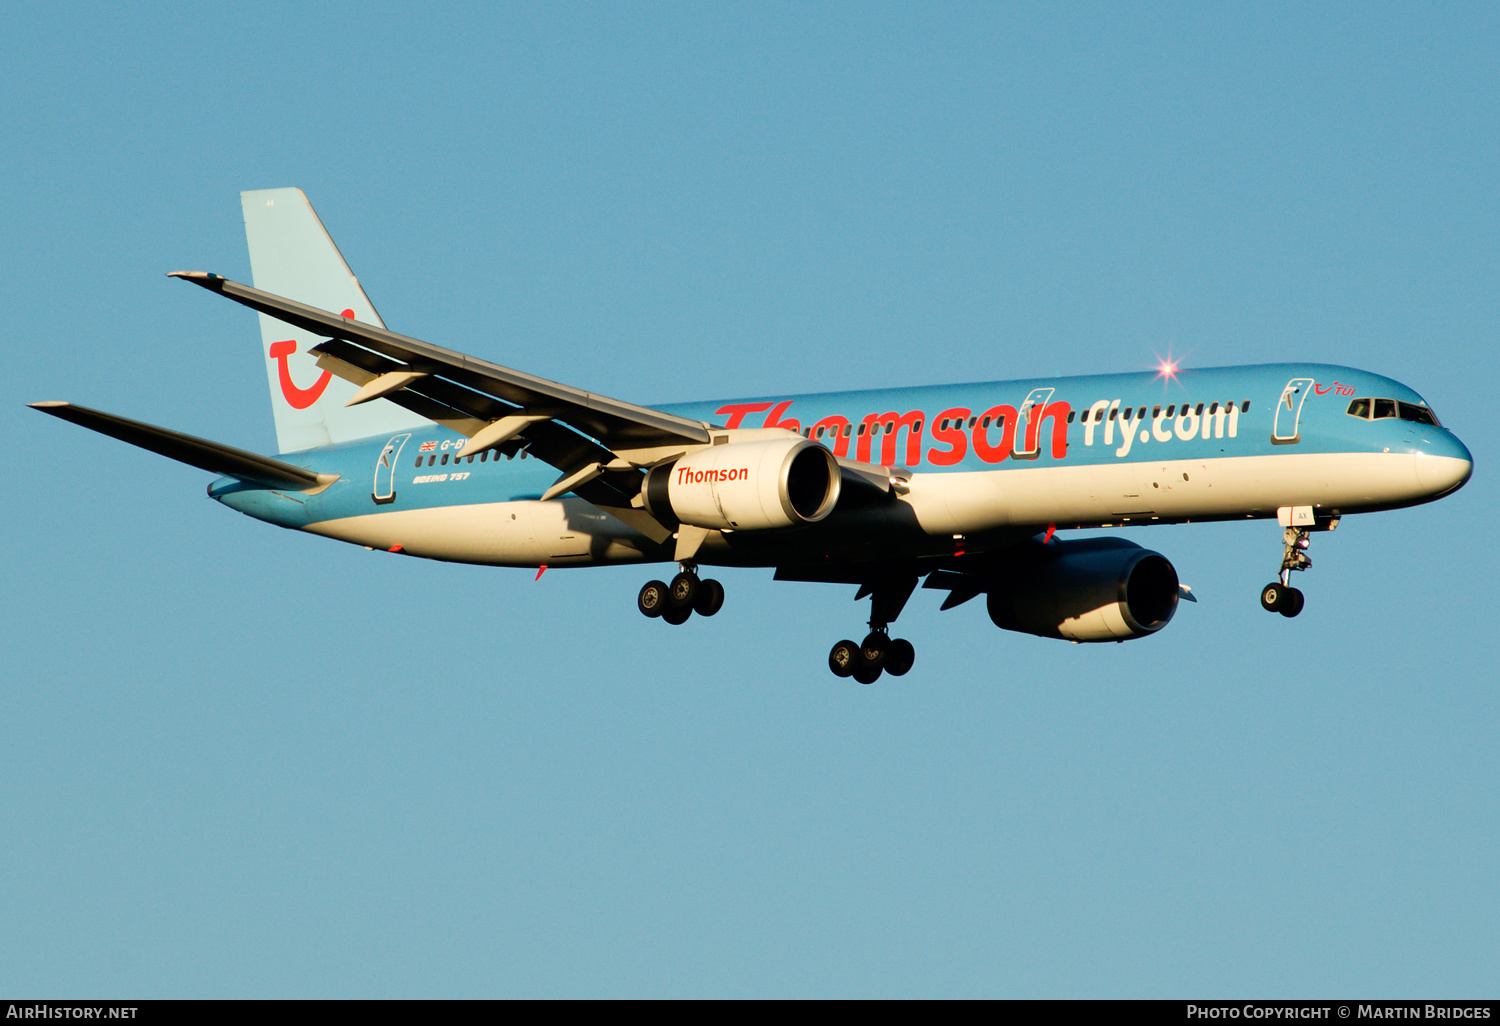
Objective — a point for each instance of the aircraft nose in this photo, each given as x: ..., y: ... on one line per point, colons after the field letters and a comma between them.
x: 1444, y: 466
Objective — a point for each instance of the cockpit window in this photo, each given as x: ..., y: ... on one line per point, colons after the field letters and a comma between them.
x: 1379, y: 409
x: 1418, y: 414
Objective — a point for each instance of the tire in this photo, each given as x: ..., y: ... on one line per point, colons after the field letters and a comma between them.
x: 710, y: 598
x: 873, y: 650
x: 1291, y: 605
x: 652, y: 599
x: 899, y: 660
x: 1273, y: 597
x: 867, y: 674
x: 843, y: 659
x: 676, y: 615
x: 684, y: 590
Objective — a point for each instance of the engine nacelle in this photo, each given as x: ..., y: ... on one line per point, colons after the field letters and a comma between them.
x: 1092, y: 589
x: 746, y: 486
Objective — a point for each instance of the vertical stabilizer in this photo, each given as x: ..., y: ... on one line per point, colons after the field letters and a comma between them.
x: 292, y: 255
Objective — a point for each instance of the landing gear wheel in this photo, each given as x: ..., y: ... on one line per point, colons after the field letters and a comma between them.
x: 900, y: 657
x: 844, y: 659
x: 1273, y: 597
x: 676, y: 615
x: 710, y: 598
x: 1291, y: 603
x: 684, y: 590
x: 874, y: 649
x: 652, y: 599
x: 866, y: 673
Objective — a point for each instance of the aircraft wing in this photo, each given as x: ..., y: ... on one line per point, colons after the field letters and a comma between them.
x: 194, y: 451
x: 600, y: 444
x: 399, y: 362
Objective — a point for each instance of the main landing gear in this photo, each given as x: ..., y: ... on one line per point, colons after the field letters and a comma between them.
x: 679, y: 600
x: 1279, y: 596
x: 878, y: 653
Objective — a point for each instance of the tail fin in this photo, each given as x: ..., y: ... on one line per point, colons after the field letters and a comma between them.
x: 292, y: 255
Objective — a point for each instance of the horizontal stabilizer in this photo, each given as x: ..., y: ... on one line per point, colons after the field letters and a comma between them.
x: 195, y: 452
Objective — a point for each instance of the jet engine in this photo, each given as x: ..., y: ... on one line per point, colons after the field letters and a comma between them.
x: 746, y: 486
x: 1091, y: 589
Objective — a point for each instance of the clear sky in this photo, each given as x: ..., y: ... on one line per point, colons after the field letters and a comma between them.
x: 241, y: 761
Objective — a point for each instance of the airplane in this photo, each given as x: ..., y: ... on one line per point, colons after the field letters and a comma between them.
x: 406, y: 447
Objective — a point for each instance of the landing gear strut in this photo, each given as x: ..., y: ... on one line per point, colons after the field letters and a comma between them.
x: 679, y: 600
x: 878, y: 653
x: 1279, y: 596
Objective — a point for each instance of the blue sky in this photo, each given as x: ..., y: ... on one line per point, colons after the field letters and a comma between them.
x: 237, y: 761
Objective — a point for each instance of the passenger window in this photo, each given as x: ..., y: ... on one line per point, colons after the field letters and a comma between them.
x: 848, y: 428
x: 431, y: 461
x: 444, y: 460
x: 1360, y: 408
x: 419, y: 461
x: 1245, y: 407
x: 1200, y: 410
x: 1171, y: 409
x: 1070, y: 416
x: 1385, y: 408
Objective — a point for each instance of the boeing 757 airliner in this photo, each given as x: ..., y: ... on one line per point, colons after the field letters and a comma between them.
x: 405, y: 447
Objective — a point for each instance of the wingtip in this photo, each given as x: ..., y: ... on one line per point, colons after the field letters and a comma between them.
x: 205, y: 278
x: 50, y: 404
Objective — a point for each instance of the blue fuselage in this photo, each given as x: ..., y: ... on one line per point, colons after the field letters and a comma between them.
x: 1079, y: 451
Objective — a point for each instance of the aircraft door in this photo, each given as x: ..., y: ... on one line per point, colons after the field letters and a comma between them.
x: 384, y: 488
x: 1027, y: 447
x: 1289, y: 412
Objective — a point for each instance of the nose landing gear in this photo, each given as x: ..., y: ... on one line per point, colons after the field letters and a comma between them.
x: 1279, y: 596
x: 679, y: 600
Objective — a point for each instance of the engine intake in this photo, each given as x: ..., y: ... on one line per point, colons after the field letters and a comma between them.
x: 746, y: 486
x: 1091, y: 589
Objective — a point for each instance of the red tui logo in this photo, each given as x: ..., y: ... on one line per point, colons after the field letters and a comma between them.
x: 298, y: 398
